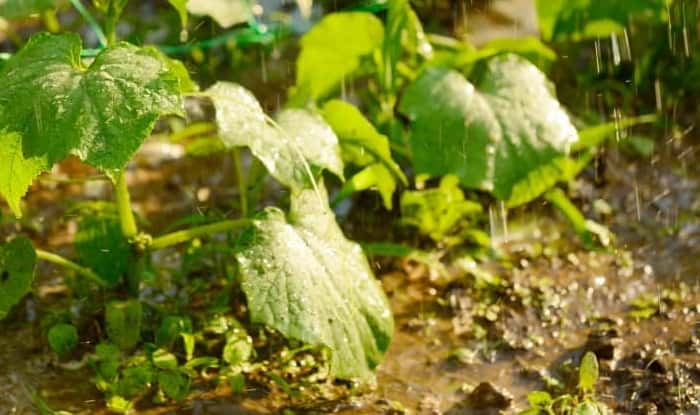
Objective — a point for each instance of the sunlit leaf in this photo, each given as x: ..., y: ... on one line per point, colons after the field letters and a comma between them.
x: 363, y: 146
x: 588, y: 372
x: 55, y: 105
x: 442, y: 213
x: 490, y: 134
x: 332, y: 50
x: 288, y: 148
x: 225, y: 12
x: 17, y: 261
x: 305, y: 280
x: 17, y: 171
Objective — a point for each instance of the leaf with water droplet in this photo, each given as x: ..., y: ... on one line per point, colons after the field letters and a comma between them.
x: 17, y: 262
x: 303, y: 278
x: 491, y: 134
x: 332, y: 50
x: 102, y: 113
x: 289, y: 148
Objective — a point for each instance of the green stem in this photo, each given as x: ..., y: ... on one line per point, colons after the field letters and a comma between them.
x: 179, y: 237
x: 242, y: 182
x: 126, y: 216
x: 80, y: 270
x: 91, y: 21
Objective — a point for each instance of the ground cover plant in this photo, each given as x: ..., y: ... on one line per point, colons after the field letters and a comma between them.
x: 377, y: 104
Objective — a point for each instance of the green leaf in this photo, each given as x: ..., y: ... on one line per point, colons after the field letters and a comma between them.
x: 544, y: 177
x: 63, y: 338
x: 175, y: 385
x: 171, y: 328
x: 597, y: 134
x: 588, y: 372
x: 135, y: 380
x: 586, y: 408
x: 305, y: 280
x: 404, y: 32
x: 123, y: 323
x: 363, y: 146
x: 102, y: 247
x: 441, y: 213
x: 225, y: 12
x: 16, y: 171
x: 164, y: 360
x: 17, y: 262
x: 238, y: 349
x: 102, y: 113
x: 289, y: 148
x: 332, y: 50
x: 539, y: 398
x: 492, y: 134
x: 582, y: 19
x: 12, y: 9
x: 181, y: 7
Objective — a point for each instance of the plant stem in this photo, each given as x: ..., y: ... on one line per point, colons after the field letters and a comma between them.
x: 126, y: 216
x: 242, y: 182
x: 178, y: 237
x: 91, y: 21
x: 80, y: 270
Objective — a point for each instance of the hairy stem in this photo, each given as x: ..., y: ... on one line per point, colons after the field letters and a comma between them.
x: 242, y: 182
x: 66, y: 263
x: 126, y: 215
x: 179, y: 237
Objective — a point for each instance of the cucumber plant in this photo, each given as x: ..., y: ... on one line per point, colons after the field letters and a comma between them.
x: 301, y: 276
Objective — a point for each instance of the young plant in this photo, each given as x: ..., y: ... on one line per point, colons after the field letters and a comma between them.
x: 301, y: 276
x: 583, y: 402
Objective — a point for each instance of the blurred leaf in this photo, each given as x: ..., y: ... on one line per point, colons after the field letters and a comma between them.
x: 586, y: 408
x: 238, y: 349
x: 491, y: 137
x: 224, y: 12
x: 102, y: 247
x: 588, y: 372
x: 175, y: 385
x: 135, y: 380
x: 362, y: 145
x: 163, y: 359
x: 441, y: 213
x: 303, y: 278
x: 63, y: 338
x: 581, y: 19
x: 17, y: 262
x: 332, y: 50
x: 539, y: 398
x: 123, y: 323
x: 181, y: 7
x: 12, y: 9
x: 171, y: 328
x: 597, y: 134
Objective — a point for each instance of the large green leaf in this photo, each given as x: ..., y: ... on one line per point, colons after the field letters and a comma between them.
x: 305, y: 280
x: 225, y: 12
x: 102, y: 113
x: 17, y: 261
x: 288, y: 148
x: 492, y: 134
x: 12, y: 9
x: 332, y: 50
